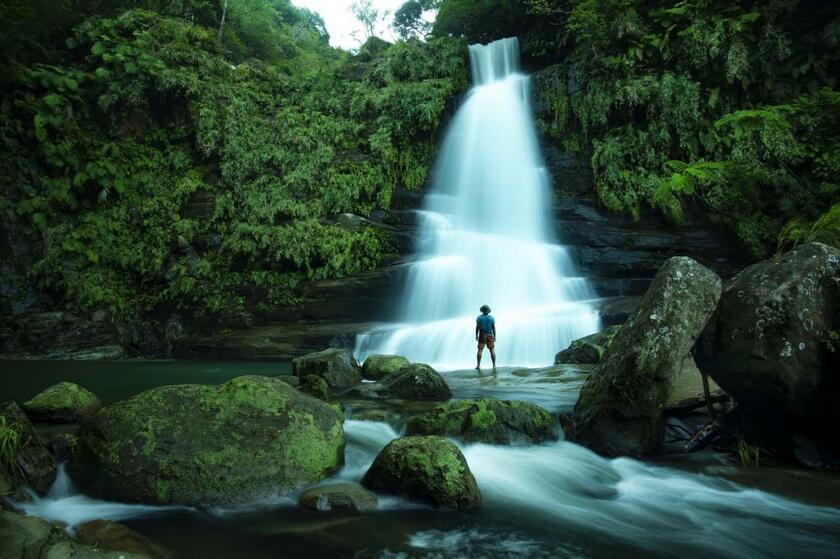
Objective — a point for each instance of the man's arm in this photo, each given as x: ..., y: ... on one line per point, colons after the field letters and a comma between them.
x: 494, y: 328
x: 476, y: 329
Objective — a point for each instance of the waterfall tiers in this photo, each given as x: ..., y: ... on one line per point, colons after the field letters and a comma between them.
x: 486, y: 238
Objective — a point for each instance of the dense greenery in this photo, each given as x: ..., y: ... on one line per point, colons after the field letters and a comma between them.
x: 730, y: 107
x: 159, y: 160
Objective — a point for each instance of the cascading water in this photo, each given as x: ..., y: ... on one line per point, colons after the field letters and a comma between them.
x: 486, y: 237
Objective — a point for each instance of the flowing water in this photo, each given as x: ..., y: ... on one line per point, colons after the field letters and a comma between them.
x: 546, y: 501
x: 486, y: 240
x: 485, y: 237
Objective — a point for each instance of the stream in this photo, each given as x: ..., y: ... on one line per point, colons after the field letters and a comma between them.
x: 551, y: 500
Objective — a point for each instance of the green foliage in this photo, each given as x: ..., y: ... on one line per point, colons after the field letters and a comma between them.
x: 825, y: 229
x: 11, y: 443
x: 152, y: 173
x: 481, y: 21
x: 729, y: 108
x: 408, y: 19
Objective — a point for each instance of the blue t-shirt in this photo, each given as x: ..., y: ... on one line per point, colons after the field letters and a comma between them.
x: 485, y: 323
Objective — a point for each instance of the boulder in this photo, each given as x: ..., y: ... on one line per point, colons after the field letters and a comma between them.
x: 339, y: 497
x: 416, y: 381
x: 202, y: 445
x: 113, y: 536
x: 587, y: 350
x: 336, y: 366
x: 30, y: 537
x: 62, y: 445
x: 766, y: 344
x: 620, y: 407
x: 377, y: 367
x: 429, y: 469
x: 487, y: 421
x: 64, y: 402
x: 688, y: 393
x: 25, y: 459
x: 317, y: 387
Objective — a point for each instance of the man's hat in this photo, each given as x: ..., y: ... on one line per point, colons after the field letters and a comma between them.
x: 485, y: 309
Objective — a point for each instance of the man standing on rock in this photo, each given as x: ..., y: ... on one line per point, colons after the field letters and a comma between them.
x: 485, y: 334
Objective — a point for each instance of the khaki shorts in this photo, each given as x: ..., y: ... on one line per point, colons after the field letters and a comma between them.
x: 486, y: 339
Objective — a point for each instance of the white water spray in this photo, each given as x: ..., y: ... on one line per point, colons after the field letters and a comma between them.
x: 486, y: 237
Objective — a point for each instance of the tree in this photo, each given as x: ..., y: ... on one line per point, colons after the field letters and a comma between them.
x: 368, y: 16
x: 408, y: 19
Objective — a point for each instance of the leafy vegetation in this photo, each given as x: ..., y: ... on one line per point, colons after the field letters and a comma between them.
x: 726, y: 108
x: 11, y: 443
x: 160, y: 162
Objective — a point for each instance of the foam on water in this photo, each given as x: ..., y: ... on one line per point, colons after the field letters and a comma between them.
x: 485, y: 237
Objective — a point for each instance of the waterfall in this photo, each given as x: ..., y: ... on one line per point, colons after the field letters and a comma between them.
x: 486, y: 238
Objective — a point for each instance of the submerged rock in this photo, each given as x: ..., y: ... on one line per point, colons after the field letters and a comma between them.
x: 430, y: 469
x: 487, y: 421
x: 202, y: 445
x: 416, y: 381
x: 620, y: 407
x: 64, y: 402
x: 336, y: 366
x: 377, y: 367
x: 113, y: 536
x: 27, y: 461
x: 768, y: 342
x: 339, y: 497
x: 587, y: 350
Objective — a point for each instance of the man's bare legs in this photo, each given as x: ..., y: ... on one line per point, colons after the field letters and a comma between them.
x: 478, y: 359
x: 492, y: 356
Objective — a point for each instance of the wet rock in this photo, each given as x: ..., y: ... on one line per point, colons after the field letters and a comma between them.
x: 620, y: 407
x: 202, y: 445
x: 377, y: 367
x: 587, y: 350
x: 317, y: 387
x: 688, y: 392
x: 64, y: 402
x: 339, y: 497
x: 30, y: 537
x: 113, y: 536
x: 63, y: 445
x: 416, y: 381
x: 31, y: 463
x: 336, y: 366
x: 429, y: 469
x: 487, y: 421
x: 766, y: 343
x: 291, y: 380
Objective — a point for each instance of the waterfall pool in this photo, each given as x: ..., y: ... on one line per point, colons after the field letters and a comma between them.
x: 553, y: 500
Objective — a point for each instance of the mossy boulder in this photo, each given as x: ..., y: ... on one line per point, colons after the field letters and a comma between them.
x: 26, y: 461
x: 203, y: 445
x: 377, y: 367
x: 587, y: 350
x: 64, y: 402
x: 30, y: 537
x: 429, y: 469
x: 338, y: 497
x: 620, y: 408
x: 487, y: 421
x: 416, y: 381
x: 336, y: 366
x: 773, y: 341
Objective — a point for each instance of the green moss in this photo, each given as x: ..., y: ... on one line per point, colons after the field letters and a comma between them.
x: 64, y: 401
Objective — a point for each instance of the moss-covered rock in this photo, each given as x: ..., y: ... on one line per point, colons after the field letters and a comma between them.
x: 25, y: 460
x: 64, y: 402
x: 377, y: 367
x: 430, y: 469
x: 317, y: 387
x: 416, y: 381
x: 587, y: 350
x: 487, y: 421
x: 336, y: 366
x: 338, y: 497
x: 769, y: 343
x: 620, y: 407
x: 201, y: 445
x: 30, y: 537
